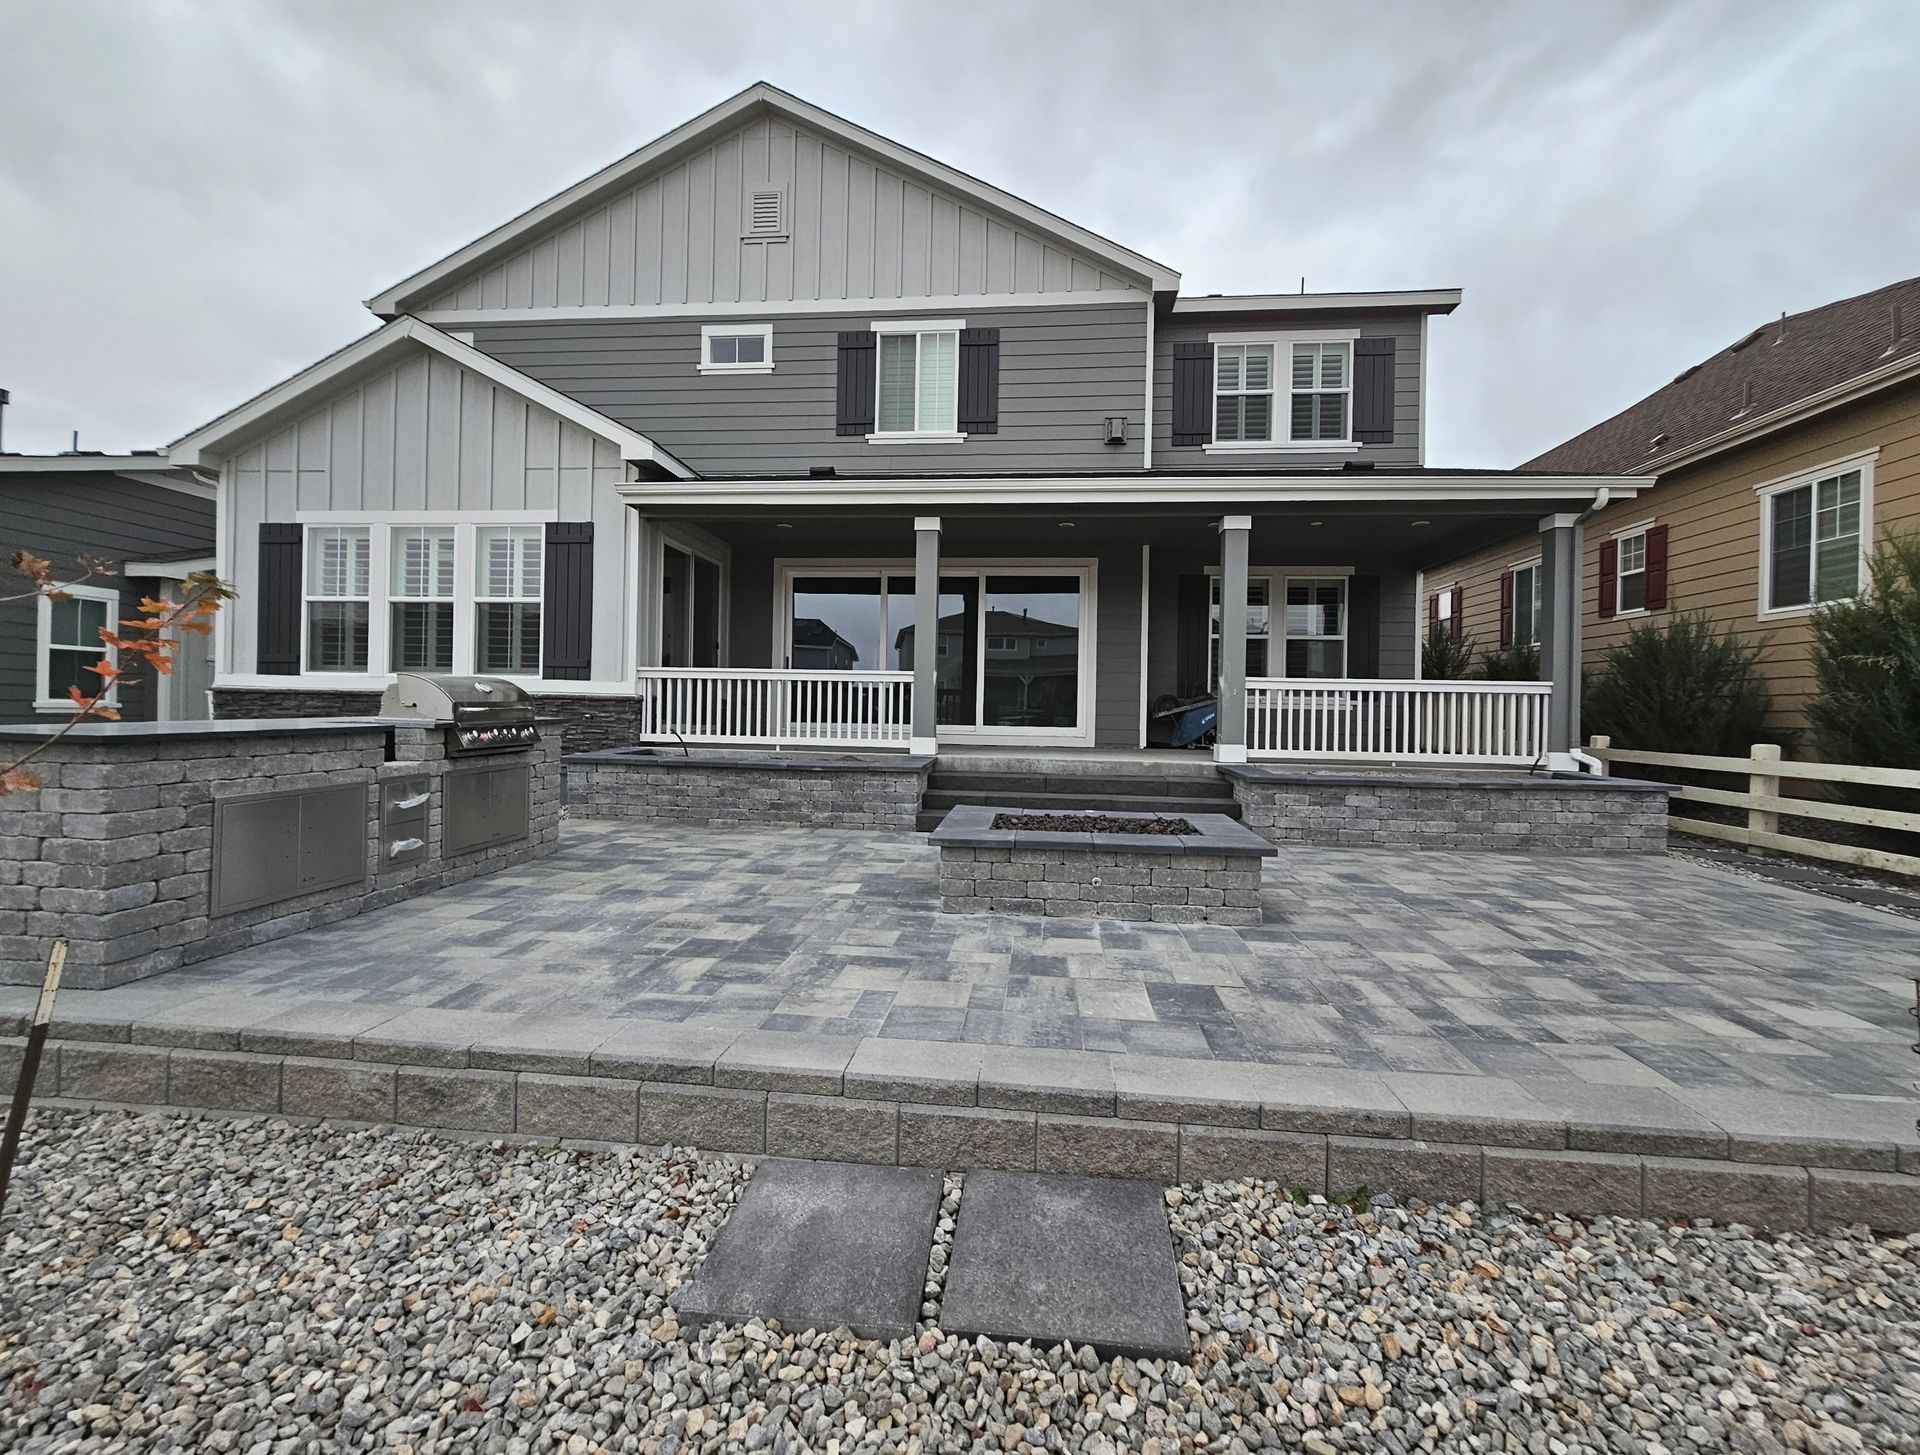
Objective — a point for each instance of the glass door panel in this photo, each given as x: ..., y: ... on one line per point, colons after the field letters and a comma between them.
x: 676, y: 608
x: 957, y: 671
x: 836, y: 624
x: 1030, y: 639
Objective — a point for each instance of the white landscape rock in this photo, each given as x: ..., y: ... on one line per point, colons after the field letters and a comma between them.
x: 176, y: 1284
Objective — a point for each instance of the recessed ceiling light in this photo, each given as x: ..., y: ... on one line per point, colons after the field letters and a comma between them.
x: 1066, y: 525
x: 1316, y: 522
x: 782, y: 525
x: 1423, y: 522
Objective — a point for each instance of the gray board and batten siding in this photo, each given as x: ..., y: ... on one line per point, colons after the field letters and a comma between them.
x: 854, y: 228
x: 64, y: 515
x: 1063, y: 370
x: 427, y: 435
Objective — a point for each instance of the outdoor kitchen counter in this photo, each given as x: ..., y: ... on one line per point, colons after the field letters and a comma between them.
x: 152, y: 845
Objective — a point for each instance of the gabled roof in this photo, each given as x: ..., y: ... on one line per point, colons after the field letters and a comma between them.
x: 757, y: 99
x: 1773, y: 376
x: 287, y: 400
x: 143, y: 467
x: 1408, y: 300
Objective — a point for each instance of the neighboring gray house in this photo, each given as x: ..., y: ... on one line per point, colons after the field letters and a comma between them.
x: 149, y: 524
x: 647, y: 445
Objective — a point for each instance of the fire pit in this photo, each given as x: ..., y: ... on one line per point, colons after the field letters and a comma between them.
x: 1196, y: 868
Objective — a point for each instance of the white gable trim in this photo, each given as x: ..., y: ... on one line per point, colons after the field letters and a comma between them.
x: 731, y: 112
x: 214, y: 441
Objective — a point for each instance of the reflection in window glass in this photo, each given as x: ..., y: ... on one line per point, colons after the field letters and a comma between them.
x: 1036, y: 683
x: 1316, y: 625
x: 836, y: 624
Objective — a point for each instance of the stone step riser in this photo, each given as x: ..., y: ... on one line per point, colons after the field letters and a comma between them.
x: 821, y: 1123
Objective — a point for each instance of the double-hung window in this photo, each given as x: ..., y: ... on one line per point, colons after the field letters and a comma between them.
x: 506, y: 594
x: 1815, y: 531
x: 1526, y: 606
x: 70, y: 645
x: 338, y: 587
x: 917, y: 391
x: 421, y: 592
x: 1630, y: 572
x: 1313, y: 622
x: 1282, y: 392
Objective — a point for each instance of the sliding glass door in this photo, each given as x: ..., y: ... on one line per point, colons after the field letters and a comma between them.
x: 1012, y: 654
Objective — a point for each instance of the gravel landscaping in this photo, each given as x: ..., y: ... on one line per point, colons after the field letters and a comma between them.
x: 172, y: 1284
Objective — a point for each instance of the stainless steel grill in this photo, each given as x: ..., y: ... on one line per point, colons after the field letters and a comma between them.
x: 481, y: 714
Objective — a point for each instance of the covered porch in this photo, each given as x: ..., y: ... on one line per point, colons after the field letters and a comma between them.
x: 1067, y: 616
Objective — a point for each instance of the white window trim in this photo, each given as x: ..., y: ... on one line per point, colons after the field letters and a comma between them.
x: 1534, y: 607
x: 1620, y: 538
x: 43, y: 698
x: 710, y: 331
x: 953, y: 326
x: 379, y: 615
x: 1765, y: 492
x: 377, y: 548
x: 537, y: 599
x: 394, y: 598
x: 1276, y: 578
x: 1282, y: 344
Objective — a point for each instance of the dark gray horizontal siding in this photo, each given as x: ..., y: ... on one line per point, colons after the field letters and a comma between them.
x: 1404, y: 330
x: 63, y: 517
x: 1062, y: 371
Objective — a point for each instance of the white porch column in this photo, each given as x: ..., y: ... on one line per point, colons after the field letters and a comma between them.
x: 926, y: 632
x: 1560, y: 636
x: 1230, y: 738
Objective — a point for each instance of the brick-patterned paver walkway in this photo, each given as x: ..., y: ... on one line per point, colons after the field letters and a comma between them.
x: 1653, y: 972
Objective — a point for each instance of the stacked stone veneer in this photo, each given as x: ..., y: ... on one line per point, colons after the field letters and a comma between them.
x: 113, y: 853
x: 1351, y: 810
x: 585, y: 723
x: 748, y: 790
x: 1101, y: 884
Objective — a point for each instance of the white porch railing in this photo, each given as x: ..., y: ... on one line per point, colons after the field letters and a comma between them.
x: 1407, y: 722
x: 775, y: 707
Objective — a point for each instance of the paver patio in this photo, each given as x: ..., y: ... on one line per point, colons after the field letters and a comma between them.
x: 1574, y: 972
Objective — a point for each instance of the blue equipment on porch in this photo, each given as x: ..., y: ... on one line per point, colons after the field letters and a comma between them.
x: 1189, y: 723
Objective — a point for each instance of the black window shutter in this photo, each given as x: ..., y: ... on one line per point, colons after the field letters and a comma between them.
x: 1192, y: 393
x: 566, y: 607
x: 276, y: 651
x: 979, y: 381
x: 853, y: 413
x: 1373, y: 391
x: 1363, y: 626
x: 1192, y: 619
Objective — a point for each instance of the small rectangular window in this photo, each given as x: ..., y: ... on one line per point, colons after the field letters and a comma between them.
x: 1630, y: 572
x: 421, y: 593
x: 918, y: 388
x: 70, y: 645
x: 506, y: 593
x: 1814, y: 542
x: 736, y: 348
x: 338, y: 590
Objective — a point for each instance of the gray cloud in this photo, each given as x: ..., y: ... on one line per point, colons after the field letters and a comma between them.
x: 194, y: 197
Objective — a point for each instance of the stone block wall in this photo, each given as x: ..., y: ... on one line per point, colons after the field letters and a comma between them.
x: 587, y: 723
x: 1171, y: 888
x: 748, y: 790
x: 1560, y: 815
x: 114, y: 852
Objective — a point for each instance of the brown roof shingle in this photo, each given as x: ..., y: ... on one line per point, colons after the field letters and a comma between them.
x: 1776, y: 365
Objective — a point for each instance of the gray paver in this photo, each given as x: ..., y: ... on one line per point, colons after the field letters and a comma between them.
x: 1834, y: 1131
x: 791, y: 1061
x: 1019, y: 1078
x: 1065, y: 1258
x: 1490, y: 1110
x: 821, y: 1245
x: 941, y: 1073
x: 662, y: 1051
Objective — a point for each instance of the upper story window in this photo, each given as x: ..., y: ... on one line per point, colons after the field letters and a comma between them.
x: 1282, y: 392
x: 506, y: 595
x: 421, y: 593
x: 736, y: 348
x: 70, y: 646
x: 917, y: 388
x: 1814, y: 534
x: 338, y: 589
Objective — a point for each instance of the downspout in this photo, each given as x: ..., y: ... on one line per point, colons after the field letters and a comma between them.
x: 1588, y: 763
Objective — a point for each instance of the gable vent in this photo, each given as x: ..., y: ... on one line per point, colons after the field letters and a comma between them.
x: 766, y: 214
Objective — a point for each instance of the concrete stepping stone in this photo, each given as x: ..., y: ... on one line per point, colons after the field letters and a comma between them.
x: 1044, y: 1259
x: 821, y: 1244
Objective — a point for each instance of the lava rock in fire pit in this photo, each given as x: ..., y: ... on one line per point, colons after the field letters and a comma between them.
x: 1091, y: 823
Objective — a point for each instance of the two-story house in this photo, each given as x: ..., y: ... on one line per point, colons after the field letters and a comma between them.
x: 699, y: 447
x: 1781, y: 460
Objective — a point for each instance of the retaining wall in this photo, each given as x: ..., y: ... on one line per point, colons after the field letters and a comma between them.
x: 114, y: 852
x: 748, y: 790
x: 1560, y: 814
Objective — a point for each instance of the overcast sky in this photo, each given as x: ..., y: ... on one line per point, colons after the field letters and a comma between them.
x: 195, y: 196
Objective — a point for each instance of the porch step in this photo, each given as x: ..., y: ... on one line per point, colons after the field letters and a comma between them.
x: 1124, y: 792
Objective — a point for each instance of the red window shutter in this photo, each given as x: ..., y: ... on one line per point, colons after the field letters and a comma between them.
x: 1433, y: 612
x: 1609, y: 578
x: 1458, y: 624
x: 1506, y: 610
x: 1656, y: 567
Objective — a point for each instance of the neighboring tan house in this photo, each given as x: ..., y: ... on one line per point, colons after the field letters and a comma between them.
x: 660, y: 445
x: 1781, y: 460
x: 149, y: 525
